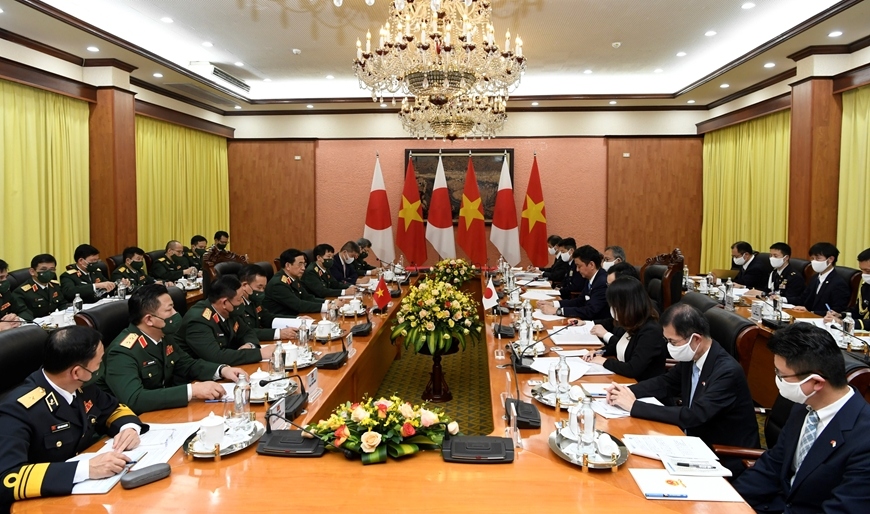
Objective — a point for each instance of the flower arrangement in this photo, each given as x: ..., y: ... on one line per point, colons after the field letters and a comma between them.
x: 433, y: 314
x: 453, y: 271
x: 375, y: 429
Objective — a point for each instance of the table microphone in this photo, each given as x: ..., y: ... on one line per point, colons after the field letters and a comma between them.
x: 294, y: 404
x: 523, y: 364
x: 528, y: 415
x: 853, y: 336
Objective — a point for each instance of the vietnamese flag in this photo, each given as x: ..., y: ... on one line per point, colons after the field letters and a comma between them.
x: 411, y: 238
x: 379, y: 225
x: 471, y: 235
x: 381, y: 294
x: 533, y: 227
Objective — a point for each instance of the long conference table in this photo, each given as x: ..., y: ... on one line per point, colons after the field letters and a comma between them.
x: 537, y: 481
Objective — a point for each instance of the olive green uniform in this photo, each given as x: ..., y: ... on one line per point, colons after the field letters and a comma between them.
x: 205, y: 335
x: 285, y: 296
x: 168, y: 270
x: 320, y: 283
x: 148, y: 376
x: 361, y: 266
x: 37, y: 302
x: 258, y: 319
x: 9, y: 304
x: 190, y: 258
x: 75, y: 281
x: 136, y: 277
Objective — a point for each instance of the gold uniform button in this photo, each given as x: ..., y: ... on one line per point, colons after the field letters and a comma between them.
x: 93, y: 420
x: 59, y: 444
x: 171, y: 362
x: 149, y: 375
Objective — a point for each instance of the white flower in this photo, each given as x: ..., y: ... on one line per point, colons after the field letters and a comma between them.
x: 370, y: 441
x: 428, y: 418
x: 359, y: 414
x: 453, y: 428
x: 406, y: 410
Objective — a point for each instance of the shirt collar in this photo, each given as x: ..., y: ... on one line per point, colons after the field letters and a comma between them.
x: 66, y: 395
x: 823, y: 276
x: 702, y: 359
x: 827, y: 413
x: 218, y: 313
x: 746, y: 264
x: 153, y: 341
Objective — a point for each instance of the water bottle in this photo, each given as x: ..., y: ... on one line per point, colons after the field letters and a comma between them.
x: 562, y: 371
x: 552, y: 375
x: 849, y: 325
x: 711, y: 283
x: 687, y: 282
x: 587, y: 422
x: 122, y: 291
x: 332, y: 314
x: 278, y: 361
x: 777, y: 307
x: 77, y: 304
x: 400, y: 268
x: 729, y: 299
x: 242, y: 398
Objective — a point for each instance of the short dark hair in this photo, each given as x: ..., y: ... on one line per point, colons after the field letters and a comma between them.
x: 350, y: 246
x: 364, y: 243
x: 588, y: 254
x: 172, y: 242
x: 195, y: 240
x: 863, y: 256
x: 742, y: 247
x: 290, y: 255
x: 321, y: 250
x: 631, y: 303
x: 42, y: 258
x: 618, y: 252
x: 782, y: 247
x: 826, y: 250
x: 69, y: 346
x: 145, y: 300
x: 3, y: 265
x: 220, y: 234
x: 250, y: 272
x: 225, y: 287
x: 554, y: 240
x: 132, y: 251
x: 809, y: 349
x: 568, y: 242
x: 84, y: 251
x: 685, y: 320
x: 624, y: 269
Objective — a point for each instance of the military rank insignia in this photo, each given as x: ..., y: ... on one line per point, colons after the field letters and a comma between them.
x: 169, y: 350
x: 88, y: 405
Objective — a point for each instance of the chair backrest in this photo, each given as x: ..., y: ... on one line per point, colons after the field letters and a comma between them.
x: 114, y: 262
x: 267, y: 269
x: 857, y: 374
x: 309, y: 256
x: 152, y: 256
x: 803, y: 266
x: 852, y: 277
x: 18, y: 277
x: 699, y: 301
x: 671, y: 278
x: 652, y: 281
x: 277, y: 263
x: 217, y: 271
x: 179, y: 299
x: 735, y: 333
x: 109, y: 319
x: 20, y: 355
x: 776, y: 418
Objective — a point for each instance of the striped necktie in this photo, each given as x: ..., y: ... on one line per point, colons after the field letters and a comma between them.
x: 811, y: 424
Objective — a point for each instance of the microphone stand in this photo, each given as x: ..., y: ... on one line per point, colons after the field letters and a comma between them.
x: 863, y: 343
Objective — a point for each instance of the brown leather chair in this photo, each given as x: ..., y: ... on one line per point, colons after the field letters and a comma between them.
x: 179, y: 299
x: 309, y: 256
x: 662, y: 276
x: 114, y: 262
x: 852, y: 277
x: 699, y: 301
x: 735, y: 333
x: 215, y: 271
x: 109, y: 319
x: 267, y: 269
x: 18, y: 277
x: 20, y: 355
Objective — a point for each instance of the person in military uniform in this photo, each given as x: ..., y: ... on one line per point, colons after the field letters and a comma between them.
x: 258, y: 318
x: 9, y: 307
x: 85, y: 277
x: 785, y: 280
x: 362, y: 267
x: 41, y: 294
x: 145, y: 367
x: 172, y: 266
x: 214, y: 330
x: 318, y: 280
x: 54, y: 415
x: 861, y: 309
x: 193, y: 255
x: 285, y: 295
x: 133, y: 269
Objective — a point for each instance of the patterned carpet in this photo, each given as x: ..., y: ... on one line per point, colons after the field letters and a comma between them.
x: 466, y: 373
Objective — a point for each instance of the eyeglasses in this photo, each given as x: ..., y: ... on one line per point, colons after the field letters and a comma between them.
x: 88, y: 370
x: 801, y: 374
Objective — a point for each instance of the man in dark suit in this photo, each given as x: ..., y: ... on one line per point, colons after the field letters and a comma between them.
x: 342, y: 268
x: 861, y: 310
x: 785, y: 280
x: 592, y: 301
x: 821, y: 461
x: 55, y: 414
x: 558, y: 272
x: 318, y: 280
x: 752, y: 271
x: 827, y: 291
x: 716, y: 404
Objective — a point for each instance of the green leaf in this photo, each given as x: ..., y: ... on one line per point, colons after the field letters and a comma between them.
x: 376, y: 457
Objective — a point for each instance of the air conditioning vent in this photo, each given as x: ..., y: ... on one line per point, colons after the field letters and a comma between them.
x: 217, y: 72
x: 201, y: 94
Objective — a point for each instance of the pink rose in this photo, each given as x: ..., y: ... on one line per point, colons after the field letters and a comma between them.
x: 408, y: 430
x: 428, y: 418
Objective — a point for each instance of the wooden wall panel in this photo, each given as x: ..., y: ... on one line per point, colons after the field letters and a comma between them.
x: 272, y: 197
x: 654, y: 197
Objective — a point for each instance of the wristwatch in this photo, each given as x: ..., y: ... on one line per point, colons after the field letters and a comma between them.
x: 560, y: 311
x: 221, y: 368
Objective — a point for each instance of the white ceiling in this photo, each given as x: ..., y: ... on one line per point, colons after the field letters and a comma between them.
x: 562, y: 38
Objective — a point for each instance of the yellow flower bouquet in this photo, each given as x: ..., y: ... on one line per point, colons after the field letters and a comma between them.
x: 453, y: 271
x: 375, y: 429
x: 432, y: 314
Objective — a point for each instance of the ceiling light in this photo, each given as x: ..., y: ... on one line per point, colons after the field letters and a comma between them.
x: 725, y: 86
x: 267, y: 80
x: 658, y: 70
x: 383, y: 105
x: 158, y: 75
x: 239, y: 63
x: 166, y: 19
x: 710, y: 33
x: 207, y: 44
x: 690, y: 102
x: 769, y: 65
x: 747, y: 5
x: 309, y: 106
x: 587, y: 71
x: 681, y: 54
x: 238, y: 107
x: 613, y: 102
x: 836, y: 33
x: 329, y: 77
x: 93, y: 49
x: 535, y: 104
x: 370, y: 2
x: 1, y: 11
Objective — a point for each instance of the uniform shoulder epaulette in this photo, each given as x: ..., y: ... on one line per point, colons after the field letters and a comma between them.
x: 72, y: 271
x: 129, y: 341
x: 285, y: 279
x: 162, y: 259
x: 26, y: 287
x: 55, y: 281
x: 30, y: 398
x: 122, y: 269
x: 206, y: 313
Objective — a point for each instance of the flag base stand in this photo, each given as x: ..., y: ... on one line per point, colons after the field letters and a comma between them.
x: 437, y: 390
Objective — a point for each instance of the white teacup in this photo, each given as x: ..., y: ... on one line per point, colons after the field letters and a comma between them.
x: 291, y: 354
x: 256, y: 390
x: 57, y: 319
x: 355, y: 305
x: 389, y: 275
x: 211, y: 430
x: 324, y: 328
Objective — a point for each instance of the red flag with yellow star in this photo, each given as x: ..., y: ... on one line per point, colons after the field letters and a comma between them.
x: 533, y: 227
x: 411, y: 236
x: 381, y: 294
x: 471, y: 234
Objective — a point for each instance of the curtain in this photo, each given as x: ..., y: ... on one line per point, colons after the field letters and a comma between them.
x: 43, y: 175
x: 181, y: 183
x: 853, y: 231
x: 746, y: 175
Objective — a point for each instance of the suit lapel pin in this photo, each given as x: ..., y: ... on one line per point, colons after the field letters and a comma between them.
x: 704, y: 384
x: 833, y: 443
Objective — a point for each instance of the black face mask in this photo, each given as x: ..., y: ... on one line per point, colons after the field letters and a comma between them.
x: 363, y: 255
x: 4, y: 286
x: 199, y: 251
x: 221, y: 247
x: 45, y: 276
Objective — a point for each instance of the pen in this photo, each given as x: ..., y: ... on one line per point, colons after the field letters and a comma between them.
x: 696, y: 466
x: 216, y: 401
x: 828, y: 307
x: 665, y: 495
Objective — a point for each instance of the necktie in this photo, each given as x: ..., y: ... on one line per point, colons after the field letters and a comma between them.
x: 696, y: 373
x: 807, y: 440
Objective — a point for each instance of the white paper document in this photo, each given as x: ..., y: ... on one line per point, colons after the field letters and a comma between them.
x: 609, y: 411
x: 572, y: 353
x: 574, y: 336
x: 539, y: 294
x: 659, y: 446
x: 538, y: 283
x: 658, y: 484
x: 576, y: 366
x: 597, y: 369
x: 280, y: 323
x: 545, y: 317
x: 596, y: 389
x: 680, y: 466
x: 104, y: 485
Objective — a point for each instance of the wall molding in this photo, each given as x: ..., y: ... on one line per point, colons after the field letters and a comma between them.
x: 32, y: 44
x: 848, y: 48
x: 852, y: 79
x: 776, y: 79
x: 185, y: 120
x: 175, y: 96
x: 770, y: 106
x: 29, y: 76
x: 114, y: 63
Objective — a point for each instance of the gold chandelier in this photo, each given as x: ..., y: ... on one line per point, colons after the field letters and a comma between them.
x: 464, y: 116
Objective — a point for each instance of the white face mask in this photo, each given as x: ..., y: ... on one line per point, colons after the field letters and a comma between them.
x: 683, y: 353
x: 552, y: 250
x: 866, y: 278
x: 792, y: 390
x: 613, y: 314
x: 565, y: 256
x: 776, y: 262
x: 819, y: 266
x: 348, y: 260
x: 605, y: 265
x: 740, y: 261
